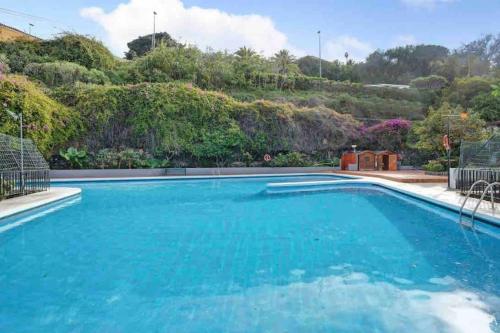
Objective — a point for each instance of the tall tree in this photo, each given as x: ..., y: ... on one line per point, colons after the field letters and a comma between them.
x: 402, y: 64
x: 285, y: 62
x: 141, y: 45
x: 245, y: 53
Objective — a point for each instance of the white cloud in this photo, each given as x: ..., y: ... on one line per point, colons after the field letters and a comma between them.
x: 425, y: 3
x: 337, y: 47
x: 403, y: 40
x: 200, y: 26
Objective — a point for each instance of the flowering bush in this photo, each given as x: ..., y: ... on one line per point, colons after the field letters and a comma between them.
x: 390, y: 134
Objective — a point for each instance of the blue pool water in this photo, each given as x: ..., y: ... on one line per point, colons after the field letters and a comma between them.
x: 223, y: 255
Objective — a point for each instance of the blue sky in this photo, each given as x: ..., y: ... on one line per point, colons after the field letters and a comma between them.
x: 358, y: 27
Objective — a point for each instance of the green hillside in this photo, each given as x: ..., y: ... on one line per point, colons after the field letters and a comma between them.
x: 179, y: 106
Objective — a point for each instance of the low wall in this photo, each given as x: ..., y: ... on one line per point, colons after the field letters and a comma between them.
x: 249, y: 171
x: 128, y: 173
x: 106, y: 173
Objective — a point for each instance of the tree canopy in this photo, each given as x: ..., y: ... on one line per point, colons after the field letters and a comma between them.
x: 142, y: 45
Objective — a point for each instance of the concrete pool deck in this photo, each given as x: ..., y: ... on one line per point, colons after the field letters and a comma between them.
x: 434, y: 191
x: 401, y: 176
x: 20, y: 204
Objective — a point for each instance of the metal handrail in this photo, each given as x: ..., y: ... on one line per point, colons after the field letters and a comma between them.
x: 490, y: 188
x: 481, y: 181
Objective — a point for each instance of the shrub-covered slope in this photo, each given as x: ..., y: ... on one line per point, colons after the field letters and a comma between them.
x: 49, y: 123
x: 198, y: 127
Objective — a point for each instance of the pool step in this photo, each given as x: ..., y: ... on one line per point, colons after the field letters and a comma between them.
x: 312, y: 186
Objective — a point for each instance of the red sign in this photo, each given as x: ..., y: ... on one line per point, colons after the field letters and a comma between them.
x: 446, y: 142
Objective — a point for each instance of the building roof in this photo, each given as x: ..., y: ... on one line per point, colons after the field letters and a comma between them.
x: 19, y: 31
x: 376, y: 152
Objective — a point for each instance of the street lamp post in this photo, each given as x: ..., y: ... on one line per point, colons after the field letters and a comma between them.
x: 446, y: 141
x: 31, y: 25
x: 153, y: 38
x: 319, y: 44
x: 20, y: 118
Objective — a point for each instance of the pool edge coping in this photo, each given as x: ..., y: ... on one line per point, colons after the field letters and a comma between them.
x: 494, y: 220
x: 63, y: 194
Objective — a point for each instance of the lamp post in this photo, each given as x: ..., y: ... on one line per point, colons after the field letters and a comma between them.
x: 31, y: 25
x: 319, y: 44
x: 153, y: 38
x: 446, y: 139
x: 20, y: 118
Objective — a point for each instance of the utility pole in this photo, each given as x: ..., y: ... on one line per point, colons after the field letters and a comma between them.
x: 31, y: 25
x: 319, y: 42
x: 153, y: 38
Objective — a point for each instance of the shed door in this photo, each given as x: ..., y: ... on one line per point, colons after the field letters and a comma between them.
x: 393, y: 162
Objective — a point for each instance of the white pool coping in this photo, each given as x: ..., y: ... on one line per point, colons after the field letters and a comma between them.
x: 433, y: 192
x: 18, y: 205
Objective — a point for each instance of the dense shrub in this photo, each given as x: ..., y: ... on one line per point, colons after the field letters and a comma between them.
x: 79, y: 49
x: 75, y: 158
x: 142, y: 44
x: 428, y: 133
x: 60, y: 73
x: 22, y: 52
x: 463, y: 90
x: 293, y: 159
x: 487, y: 106
x: 434, y: 166
x: 128, y: 158
x: 166, y: 64
x: 185, y: 124
x: 49, y: 123
x: 390, y: 134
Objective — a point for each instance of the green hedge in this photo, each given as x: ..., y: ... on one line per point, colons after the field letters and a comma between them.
x: 80, y: 49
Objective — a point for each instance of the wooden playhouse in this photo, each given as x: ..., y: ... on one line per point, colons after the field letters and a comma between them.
x: 369, y: 160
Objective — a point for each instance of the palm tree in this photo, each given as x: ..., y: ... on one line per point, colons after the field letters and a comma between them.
x: 245, y: 53
x: 283, y: 60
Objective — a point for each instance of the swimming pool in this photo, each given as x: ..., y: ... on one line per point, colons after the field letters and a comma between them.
x: 225, y: 255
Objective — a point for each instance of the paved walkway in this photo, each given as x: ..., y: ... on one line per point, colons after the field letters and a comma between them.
x: 401, y: 176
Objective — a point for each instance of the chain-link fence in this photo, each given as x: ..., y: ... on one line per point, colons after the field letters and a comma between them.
x: 479, y: 161
x: 482, y: 154
x: 23, y: 170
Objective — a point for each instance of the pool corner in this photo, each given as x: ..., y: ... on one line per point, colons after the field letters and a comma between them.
x: 18, y: 205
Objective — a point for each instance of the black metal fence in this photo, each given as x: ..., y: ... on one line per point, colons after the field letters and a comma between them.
x: 13, y: 183
x: 467, y: 177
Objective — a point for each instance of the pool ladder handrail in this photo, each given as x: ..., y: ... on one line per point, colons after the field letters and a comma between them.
x: 489, y: 187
